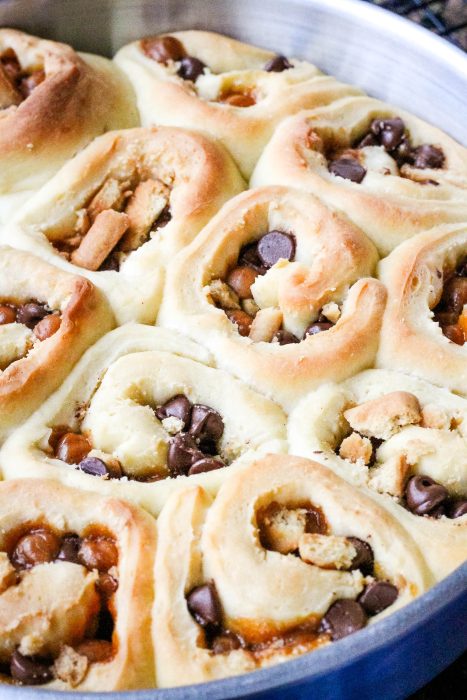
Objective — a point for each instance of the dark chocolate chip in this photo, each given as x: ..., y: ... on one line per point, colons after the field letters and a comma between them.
x: 315, y: 522
x: 31, y: 313
x: 208, y: 464
x: 29, y: 670
x: 455, y: 294
x: 285, y: 338
x: 204, y: 605
x: 446, y: 318
x: 377, y: 596
x: 249, y: 256
x: 348, y: 168
x: 274, y: 246
x: 427, y: 156
x: 177, y: 407
x: 364, y: 558
x: 206, y: 423
x: 182, y: 454
x: 368, y: 140
x: 226, y: 642
x: 69, y: 549
x: 317, y: 327
x: 423, y: 494
x: 191, y: 68
x: 94, y: 466
x: 457, y: 509
x: 389, y: 131
x: 344, y: 617
x: 277, y: 64
x: 163, y: 48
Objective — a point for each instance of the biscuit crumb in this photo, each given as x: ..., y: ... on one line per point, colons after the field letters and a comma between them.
x: 385, y: 416
x: 356, y: 448
x: 326, y: 551
x: 71, y: 667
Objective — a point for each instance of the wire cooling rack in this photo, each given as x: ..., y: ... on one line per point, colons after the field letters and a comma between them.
x: 448, y: 18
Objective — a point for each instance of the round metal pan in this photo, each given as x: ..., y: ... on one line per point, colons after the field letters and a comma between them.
x: 391, y: 59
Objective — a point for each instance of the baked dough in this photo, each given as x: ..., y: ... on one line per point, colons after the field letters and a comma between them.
x: 430, y: 440
x: 32, y: 365
x: 199, y: 540
x: 46, y: 119
x: 233, y: 69
x: 125, y: 183
x: 110, y: 398
x: 411, y: 340
x: 34, y: 504
x: 331, y: 256
x: 390, y: 204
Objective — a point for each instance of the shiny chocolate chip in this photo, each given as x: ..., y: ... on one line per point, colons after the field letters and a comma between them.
x: 240, y: 280
x: 427, y: 156
x: 206, y: 423
x: 315, y: 522
x: 226, y: 642
x: 317, y: 327
x: 99, y: 553
x: 207, y: 464
x: 69, y: 549
x: 94, y: 466
x: 364, y: 558
x: 31, y: 313
x: 446, y: 318
x: 163, y: 49
x: 404, y: 151
x: 176, y: 407
x: 389, y: 132
x: 347, y: 168
x: 423, y: 494
x: 277, y: 64
x: 191, y: 68
x: 283, y: 337
x: 368, y: 140
x: 30, y: 670
x: 37, y: 547
x: 7, y: 315
x: 344, y: 617
x: 454, y: 333
x: 274, y: 246
x: 455, y: 294
x: 182, y: 454
x: 72, y: 448
x: 204, y: 605
x: 457, y: 509
x: 378, y: 596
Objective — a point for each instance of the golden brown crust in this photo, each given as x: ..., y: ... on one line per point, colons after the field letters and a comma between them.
x: 71, y: 510
x: 85, y: 316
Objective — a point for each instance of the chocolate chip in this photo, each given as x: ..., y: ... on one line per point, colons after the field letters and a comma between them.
x: 446, y: 318
x: 344, y: 617
x: 368, y: 140
x: 457, y: 509
x: 95, y: 650
x: 29, y: 669
x: 176, y: 407
x: 72, y: 448
x: 455, y: 294
x: 99, y: 553
x: 364, y: 558
x: 427, y: 156
x: 163, y: 219
x: 226, y: 642
x: 423, y: 494
x: 461, y: 270
x: 347, y: 167
x: 191, y: 68
x: 47, y: 326
x: 111, y: 263
x: 377, y: 596
x: 315, y: 522
x: 206, y: 423
x: 94, y: 466
x: 240, y: 279
x: 241, y: 319
x: 404, y: 152
x: 277, y: 64
x: 37, y: 547
x: 182, y: 454
x: 454, y: 333
x: 317, y: 327
x: 249, y: 256
x: 389, y: 131
x: 31, y: 313
x: 163, y: 49
x: 274, y: 246
x: 207, y: 464
x: 7, y: 315
x: 69, y: 549
x: 204, y: 605
x: 283, y: 337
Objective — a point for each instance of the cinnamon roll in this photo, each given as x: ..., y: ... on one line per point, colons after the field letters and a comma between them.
x: 404, y: 441
x: 141, y: 415
x: 48, y: 318
x: 234, y: 91
x: 122, y: 208
x: 53, y: 101
x: 391, y: 173
x: 425, y: 323
x: 325, y: 560
x: 76, y: 589
x: 279, y: 288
